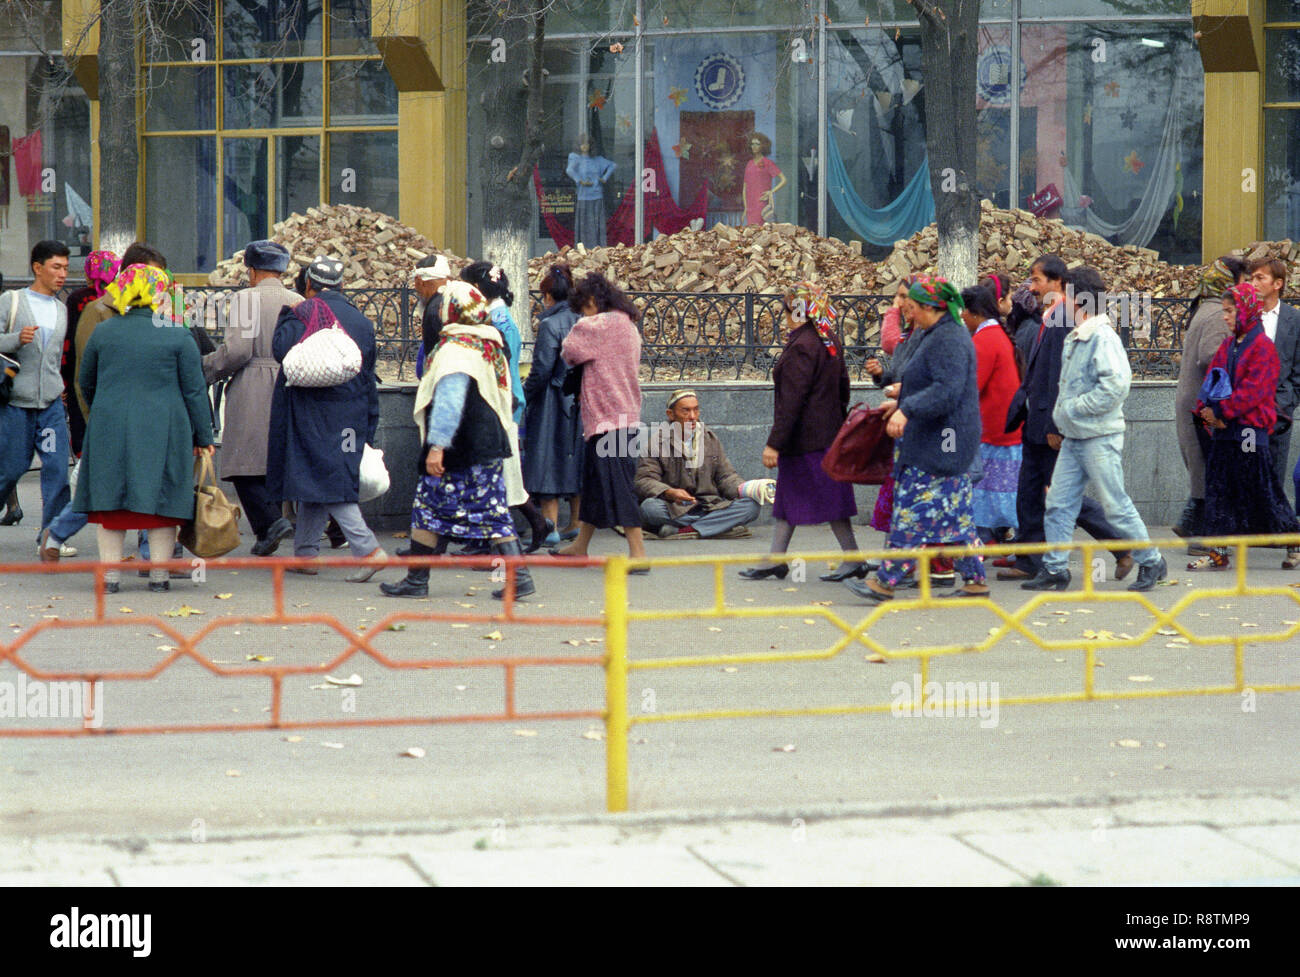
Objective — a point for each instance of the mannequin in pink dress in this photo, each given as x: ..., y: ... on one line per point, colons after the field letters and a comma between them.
x: 758, y: 191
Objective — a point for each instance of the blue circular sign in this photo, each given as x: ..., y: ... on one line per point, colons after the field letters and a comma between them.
x: 993, y: 74
x: 719, y: 81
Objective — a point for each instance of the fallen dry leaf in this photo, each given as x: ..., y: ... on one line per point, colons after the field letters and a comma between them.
x: 333, y: 746
x: 222, y: 596
x: 353, y: 679
x: 875, y: 657
x: 125, y: 610
x: 730, y: 668
x: 493, y: 636
x: 233, y: 773
x: 594, y: 734
x: 1128, y: 744
x: 293, y: 739
x: 525, y: 732
x: 258, y: 658
x: 396, y: 626
x: 573, y: 641
x: 715, y: 629
x: 788, y: 748
x: 413, y: 751
x: 183, y: 611
x: 790, y: 590
x: 809, y: 620
x: 460, y: 625
x: 173, y: 648
x: 1140, y: 678
x: 1247, y: 624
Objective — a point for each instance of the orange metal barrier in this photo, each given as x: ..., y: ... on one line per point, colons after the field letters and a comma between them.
x: 356, y: 643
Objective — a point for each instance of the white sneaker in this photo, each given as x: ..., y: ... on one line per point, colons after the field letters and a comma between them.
x: 66, y: 550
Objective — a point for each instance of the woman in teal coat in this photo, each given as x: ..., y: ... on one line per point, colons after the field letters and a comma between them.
x: 150, y: 418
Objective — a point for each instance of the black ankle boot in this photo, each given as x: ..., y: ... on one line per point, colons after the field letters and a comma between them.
x: 537, y: 523
x: 416, y: 581
x: 1188, y: 523
x: 523, y: 579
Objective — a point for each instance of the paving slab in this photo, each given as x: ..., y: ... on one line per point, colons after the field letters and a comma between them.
x: 595, y: 865
x: 913, y: 860
x: 273, y: 871
x: 1280, y: 841
x: 1181, y: 854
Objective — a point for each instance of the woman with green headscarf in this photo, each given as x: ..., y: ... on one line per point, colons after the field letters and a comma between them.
x: 142, y: 375
x: 1203, y: 335
x: 936, y: 422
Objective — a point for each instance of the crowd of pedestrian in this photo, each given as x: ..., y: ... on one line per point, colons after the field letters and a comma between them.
x: 1004, y: 401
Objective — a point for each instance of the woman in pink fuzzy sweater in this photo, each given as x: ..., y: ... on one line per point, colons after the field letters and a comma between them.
x: 605, y: 343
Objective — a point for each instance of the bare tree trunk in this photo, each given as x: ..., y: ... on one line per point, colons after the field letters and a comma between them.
x: 512, y: 105
x: 949, y: 44
x: 119, y: 155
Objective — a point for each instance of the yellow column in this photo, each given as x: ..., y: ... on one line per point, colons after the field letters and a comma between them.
x: 424, y: 48
x: 1230, y: 36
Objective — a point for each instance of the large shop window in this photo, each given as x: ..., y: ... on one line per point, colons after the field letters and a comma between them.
x: 267, y: 107
x: 45, y: 188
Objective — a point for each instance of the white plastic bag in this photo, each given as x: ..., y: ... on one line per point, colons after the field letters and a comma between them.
x: 324, y: 359
x: 374, y: 474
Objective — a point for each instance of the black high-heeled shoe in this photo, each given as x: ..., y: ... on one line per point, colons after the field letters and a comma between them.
x: 859, y: 570
x: 779, y: 572
x: 13, y: 517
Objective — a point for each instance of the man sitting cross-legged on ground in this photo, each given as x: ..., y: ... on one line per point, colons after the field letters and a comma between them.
x: 686, y: 485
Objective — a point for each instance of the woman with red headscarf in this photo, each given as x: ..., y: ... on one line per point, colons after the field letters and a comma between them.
x: 101, y: 269
x: 1242, y: 493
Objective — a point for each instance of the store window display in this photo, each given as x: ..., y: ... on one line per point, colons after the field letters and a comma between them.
x: 590, y: 173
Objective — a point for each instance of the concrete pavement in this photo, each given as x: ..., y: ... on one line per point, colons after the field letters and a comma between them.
x: 1193, y: 839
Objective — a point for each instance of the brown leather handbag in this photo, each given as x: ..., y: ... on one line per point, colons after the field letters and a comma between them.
x: 215, y: 529
x: 862, y: 452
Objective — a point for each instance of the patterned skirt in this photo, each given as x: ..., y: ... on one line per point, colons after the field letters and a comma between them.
x: 468, y: 504
x: 995, y: 495
x: 928, y: 510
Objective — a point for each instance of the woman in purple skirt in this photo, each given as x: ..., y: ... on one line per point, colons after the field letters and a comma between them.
x: 812, y: 400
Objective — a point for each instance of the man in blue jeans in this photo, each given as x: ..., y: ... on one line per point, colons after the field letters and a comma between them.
x: 1089, y: 413
x: 32, y: 324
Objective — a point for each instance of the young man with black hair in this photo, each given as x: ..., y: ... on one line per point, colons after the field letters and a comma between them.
x: 1089, y: 416
x: 32, y: 324
x: 1282, y: 325
x: 1033, y: 405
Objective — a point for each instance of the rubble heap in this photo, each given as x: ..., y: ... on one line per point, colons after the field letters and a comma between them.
x: 378, y: 250
x: 1011, y: 239
x: 760, y: 258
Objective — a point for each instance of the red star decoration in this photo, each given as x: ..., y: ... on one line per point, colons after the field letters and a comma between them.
x: 1112, y: 89
x: 597, y: 101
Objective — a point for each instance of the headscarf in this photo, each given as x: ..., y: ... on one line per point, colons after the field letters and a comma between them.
x: 1216, y: 280
x: 1250, y: 310
x: 315, y: 314
x: 811, y: 303
x: 936, y: 292
x: 101, y: 269
x: 464, y: 305
x: 139, y: 286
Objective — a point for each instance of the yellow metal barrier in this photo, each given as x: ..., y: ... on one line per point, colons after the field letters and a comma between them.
x: 618, y: 617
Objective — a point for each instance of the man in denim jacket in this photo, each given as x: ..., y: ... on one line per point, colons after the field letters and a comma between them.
x: 1089, y: 413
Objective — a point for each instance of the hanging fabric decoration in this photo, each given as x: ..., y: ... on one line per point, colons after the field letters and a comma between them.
x: 902, y: 217
x: 29, y: 152
x: 1163, y: 188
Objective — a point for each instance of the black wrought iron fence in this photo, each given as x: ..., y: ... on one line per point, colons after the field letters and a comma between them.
x: 723, y: 336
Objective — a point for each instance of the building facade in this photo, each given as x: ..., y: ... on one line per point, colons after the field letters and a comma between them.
x: 1160, y: 123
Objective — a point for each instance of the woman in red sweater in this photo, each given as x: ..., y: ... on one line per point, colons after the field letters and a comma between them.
x: 1242, y: 492
x: 998, y: 379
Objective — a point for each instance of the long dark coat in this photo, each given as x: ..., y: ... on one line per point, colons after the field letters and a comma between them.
x: 318, y: 433
x: 812, y: 394
x: 245, y: 358
x: 151, y: 408
x: 552, y: 460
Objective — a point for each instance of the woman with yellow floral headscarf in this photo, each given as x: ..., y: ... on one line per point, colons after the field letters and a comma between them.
x: 812, y: 400
x: 141, y: 373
